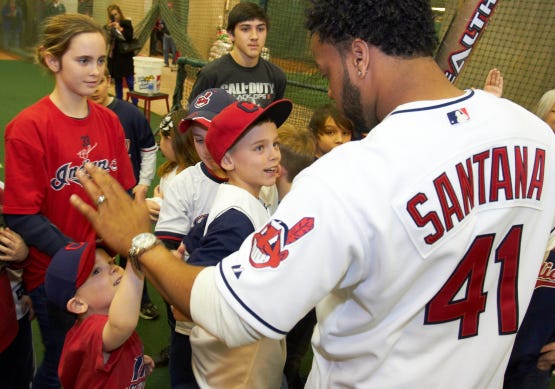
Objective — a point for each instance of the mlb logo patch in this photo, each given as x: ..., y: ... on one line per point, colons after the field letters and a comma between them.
x: 458, y: 116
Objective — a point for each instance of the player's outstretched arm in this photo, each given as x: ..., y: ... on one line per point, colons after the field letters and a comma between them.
x: 494, y: 83
x: 118, y: 219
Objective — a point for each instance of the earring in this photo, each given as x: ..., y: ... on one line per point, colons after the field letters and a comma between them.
x: 359, y: 73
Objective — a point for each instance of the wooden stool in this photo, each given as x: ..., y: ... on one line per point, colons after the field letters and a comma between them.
x: 148, y: 98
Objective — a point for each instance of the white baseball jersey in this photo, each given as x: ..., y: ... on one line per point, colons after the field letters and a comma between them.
x: 189, y: 195
x: 419, y: 246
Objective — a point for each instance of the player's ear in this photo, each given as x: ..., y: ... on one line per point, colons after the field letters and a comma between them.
x: 227, y: 162
x: 361, y: 58
x: 52, y: 62
x: 77, y: 306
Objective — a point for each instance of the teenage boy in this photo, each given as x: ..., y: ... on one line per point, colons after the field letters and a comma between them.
x: 142, y: 152
x: 102, y: 349
x: 242, y: 72
x: 243, y: 140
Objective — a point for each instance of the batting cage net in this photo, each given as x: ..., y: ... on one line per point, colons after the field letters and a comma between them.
x: 515, y: 36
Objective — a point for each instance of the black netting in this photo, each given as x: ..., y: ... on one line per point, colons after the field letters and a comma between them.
x: 519, y: 39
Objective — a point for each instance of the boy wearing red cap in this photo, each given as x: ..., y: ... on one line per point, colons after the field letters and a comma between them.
x: 243, y: 140
x: 102, y: 349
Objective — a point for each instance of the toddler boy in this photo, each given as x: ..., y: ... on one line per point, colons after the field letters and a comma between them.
x: 102, y: 349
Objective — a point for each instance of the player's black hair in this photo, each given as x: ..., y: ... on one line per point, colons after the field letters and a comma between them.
x: 402, y: 28
x: 246, y: 11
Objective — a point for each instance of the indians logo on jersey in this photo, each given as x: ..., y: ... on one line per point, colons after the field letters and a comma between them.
x: 268, y: 245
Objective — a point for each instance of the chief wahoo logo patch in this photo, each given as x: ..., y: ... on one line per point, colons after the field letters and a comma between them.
x: 269, y: 245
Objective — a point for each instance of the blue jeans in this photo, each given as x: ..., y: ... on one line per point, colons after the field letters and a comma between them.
x: 53, y: 324
x: 17, y: 361
x: 169, y: 45
x: 118, y: 86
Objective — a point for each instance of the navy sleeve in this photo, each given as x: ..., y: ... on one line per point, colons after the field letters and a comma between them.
x: 224, y: 236
x: 36, y: 230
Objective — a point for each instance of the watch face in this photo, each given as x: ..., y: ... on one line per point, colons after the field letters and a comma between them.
x: 144, y: 240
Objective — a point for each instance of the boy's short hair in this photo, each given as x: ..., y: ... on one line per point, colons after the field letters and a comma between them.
x: 297, y: 147
x: 246, y: 11
x: 69, y: 268
x: 229, y: 125
x: 205, y: 106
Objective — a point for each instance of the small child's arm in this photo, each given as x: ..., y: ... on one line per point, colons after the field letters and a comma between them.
x: 124, y: 309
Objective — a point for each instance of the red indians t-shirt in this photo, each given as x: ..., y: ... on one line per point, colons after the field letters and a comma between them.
x: 44, y: 150
x: 82, y: 362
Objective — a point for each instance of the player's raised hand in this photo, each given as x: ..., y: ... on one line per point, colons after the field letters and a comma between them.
x: 494, y: 82
x: 117, y: 218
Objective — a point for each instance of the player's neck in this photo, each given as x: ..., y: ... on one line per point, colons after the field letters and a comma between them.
x: 242, y: 59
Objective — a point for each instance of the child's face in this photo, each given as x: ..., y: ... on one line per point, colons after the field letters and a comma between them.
x: 166, y: 147
x: 100, y: 95
x: 100, y: 288
x: 331, y: 136
x: 199, y: 134
x: 80, y: 69
x: 254, y: 159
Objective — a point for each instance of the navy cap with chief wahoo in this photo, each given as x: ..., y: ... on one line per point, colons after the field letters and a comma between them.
x: 69, y: 268
x: 226, y: 127
x: 205, y: 106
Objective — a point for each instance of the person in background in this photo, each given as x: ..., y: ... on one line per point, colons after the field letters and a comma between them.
x: 179, y: 153
x: 297, y: 147
x: 533, y: 355
x: 247, y: 26
x: 54, y: 7
x: 168, y: 45
x: 45, y: 145
x: 102, y: 349
x: 12, y: 24
x: 120, y: 65
x: 142, y: 152
x: 16, y: 347
x: 330, y: 128
x: 546, y: 108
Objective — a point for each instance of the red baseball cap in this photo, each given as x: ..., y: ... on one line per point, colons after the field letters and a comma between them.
x: 226, y: 127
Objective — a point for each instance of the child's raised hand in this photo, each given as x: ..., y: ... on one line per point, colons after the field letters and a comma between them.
x: 149, y: 364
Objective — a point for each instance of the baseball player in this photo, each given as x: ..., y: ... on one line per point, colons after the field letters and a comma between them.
x: 419, y: 246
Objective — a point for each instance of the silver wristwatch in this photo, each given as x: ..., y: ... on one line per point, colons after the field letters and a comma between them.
x: 139, y: 245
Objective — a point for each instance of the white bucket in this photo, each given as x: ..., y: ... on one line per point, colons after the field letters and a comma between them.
x: 147, y: 74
